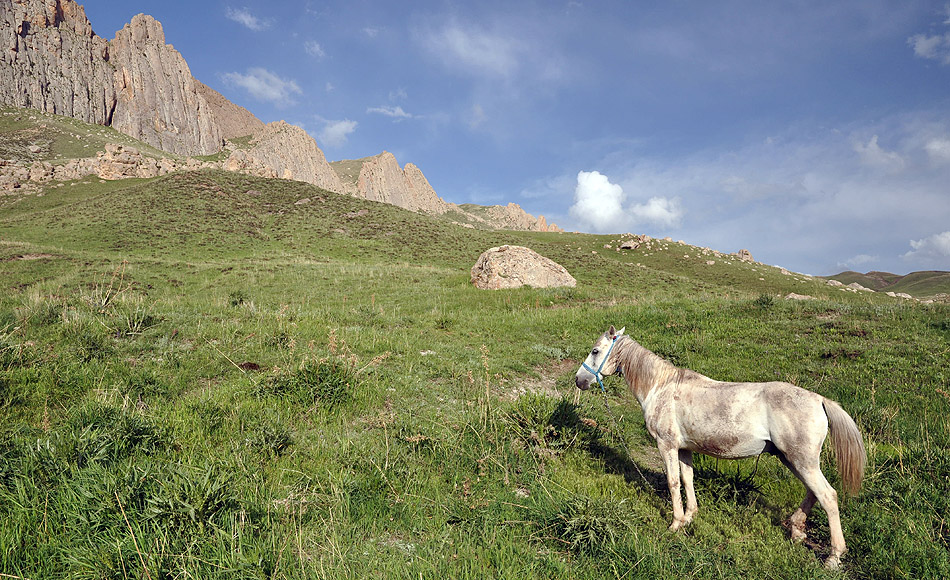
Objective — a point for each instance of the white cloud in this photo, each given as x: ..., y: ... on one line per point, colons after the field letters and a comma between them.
x: 244, y: 17
x: 872, y: 154
x: 936, y: 47
x: 931, y: 249
x: 265, y: 86
x: 599, y: 205
x: 855, y: 262
x: 334, y: 133
x: 478, y: 50
x: 371, y: 32
x: 314, y: 49
x: 939, y: 150
x: 933, y: 47
x: 395, y: 112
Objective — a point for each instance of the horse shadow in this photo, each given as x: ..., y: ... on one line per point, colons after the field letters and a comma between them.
x: 714, y: 481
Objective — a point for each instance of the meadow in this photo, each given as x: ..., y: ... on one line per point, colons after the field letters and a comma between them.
x: 211, y: 375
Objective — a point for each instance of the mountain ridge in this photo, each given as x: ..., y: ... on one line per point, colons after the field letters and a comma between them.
x: 142, y: 87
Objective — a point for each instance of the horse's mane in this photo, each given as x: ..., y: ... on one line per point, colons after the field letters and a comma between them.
x: 643, y: 369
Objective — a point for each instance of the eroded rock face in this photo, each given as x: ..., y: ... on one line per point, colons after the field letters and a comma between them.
x: 157, y: 98
x: 283, y: 150
x: 517, y: 266
x: 52, y: 61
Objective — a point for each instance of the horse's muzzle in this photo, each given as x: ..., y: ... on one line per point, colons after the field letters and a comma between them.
x: 582, y: 383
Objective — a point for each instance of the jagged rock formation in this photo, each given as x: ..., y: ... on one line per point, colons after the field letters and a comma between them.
x: 157, y: 98
x: 136, y: 83
x: 379, y: 178
x: 283, y: 150
x: 517, y: 266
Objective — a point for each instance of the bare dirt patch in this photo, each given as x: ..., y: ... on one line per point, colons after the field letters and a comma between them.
x: 545, y: 383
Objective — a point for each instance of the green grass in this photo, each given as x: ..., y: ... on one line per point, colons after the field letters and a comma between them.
x: 201, y: 377
x: 56, y: 138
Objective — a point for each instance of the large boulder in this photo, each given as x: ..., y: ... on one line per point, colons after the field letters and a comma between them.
x: 516, y: 266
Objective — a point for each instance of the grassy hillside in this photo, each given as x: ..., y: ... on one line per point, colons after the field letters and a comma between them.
x: 212, y: 375
x: 29, y: 135
x: 924, y: 284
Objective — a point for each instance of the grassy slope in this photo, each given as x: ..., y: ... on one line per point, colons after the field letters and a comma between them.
x: 199, y: 379
x: 919, y: 284
x: 58, y: 138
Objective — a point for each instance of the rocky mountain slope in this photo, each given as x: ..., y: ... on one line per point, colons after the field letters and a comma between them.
x: 142, y: 87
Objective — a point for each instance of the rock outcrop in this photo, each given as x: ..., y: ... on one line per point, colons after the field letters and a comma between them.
x: 283, y: 150
x: 379, y: 178
x: 51, y: 60
x: 233, y: 120
x: 517, y: 266
x: 513, y: 217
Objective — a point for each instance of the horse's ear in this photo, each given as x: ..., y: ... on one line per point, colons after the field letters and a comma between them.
x: 619, y: 332
x: 612, y: 332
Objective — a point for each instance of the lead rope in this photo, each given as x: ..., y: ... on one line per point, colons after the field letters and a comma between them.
x: 623, y: 441
x: 610, y: 413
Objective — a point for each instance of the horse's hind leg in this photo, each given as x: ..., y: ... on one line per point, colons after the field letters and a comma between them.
x: 796, y: 521
x: 818, y: 488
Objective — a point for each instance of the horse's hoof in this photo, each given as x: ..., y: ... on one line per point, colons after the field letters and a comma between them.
x: 797, y: 535
x: 832, y: 562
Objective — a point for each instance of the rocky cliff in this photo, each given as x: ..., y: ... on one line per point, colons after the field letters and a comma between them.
x: 157, y: 98
x: 233, y: 120
x: 51, y: 60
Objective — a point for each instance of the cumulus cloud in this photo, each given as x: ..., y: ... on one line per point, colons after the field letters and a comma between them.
x: 395, y: 112
x: 599, y: 205
x: 335, y: 133
x: 935, y: 248
x: 244, y: 17
x: 264, y: 85
x: 313, y: 48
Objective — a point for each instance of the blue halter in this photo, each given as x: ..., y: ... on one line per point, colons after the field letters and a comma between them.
x: 597, y: 374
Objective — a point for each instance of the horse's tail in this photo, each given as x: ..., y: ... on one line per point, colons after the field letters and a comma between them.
x: 849, y: 448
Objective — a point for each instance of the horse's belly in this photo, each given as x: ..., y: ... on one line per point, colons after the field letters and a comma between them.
x: 726, y: 446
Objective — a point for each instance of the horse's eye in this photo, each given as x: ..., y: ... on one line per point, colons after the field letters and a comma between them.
x: 595, y: 352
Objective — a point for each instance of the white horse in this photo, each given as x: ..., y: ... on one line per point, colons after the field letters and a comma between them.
x: 686, y: 412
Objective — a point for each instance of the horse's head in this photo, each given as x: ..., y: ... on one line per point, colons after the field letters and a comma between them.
x: 598, y: 363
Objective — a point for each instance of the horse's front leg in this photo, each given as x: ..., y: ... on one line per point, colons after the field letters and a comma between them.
x: 670, y: 456
x: 686, y: 465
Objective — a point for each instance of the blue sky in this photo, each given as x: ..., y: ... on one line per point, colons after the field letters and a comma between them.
x: 814, y: 134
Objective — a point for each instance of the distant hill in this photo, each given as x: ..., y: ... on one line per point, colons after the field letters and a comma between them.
x: 918, y: 284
